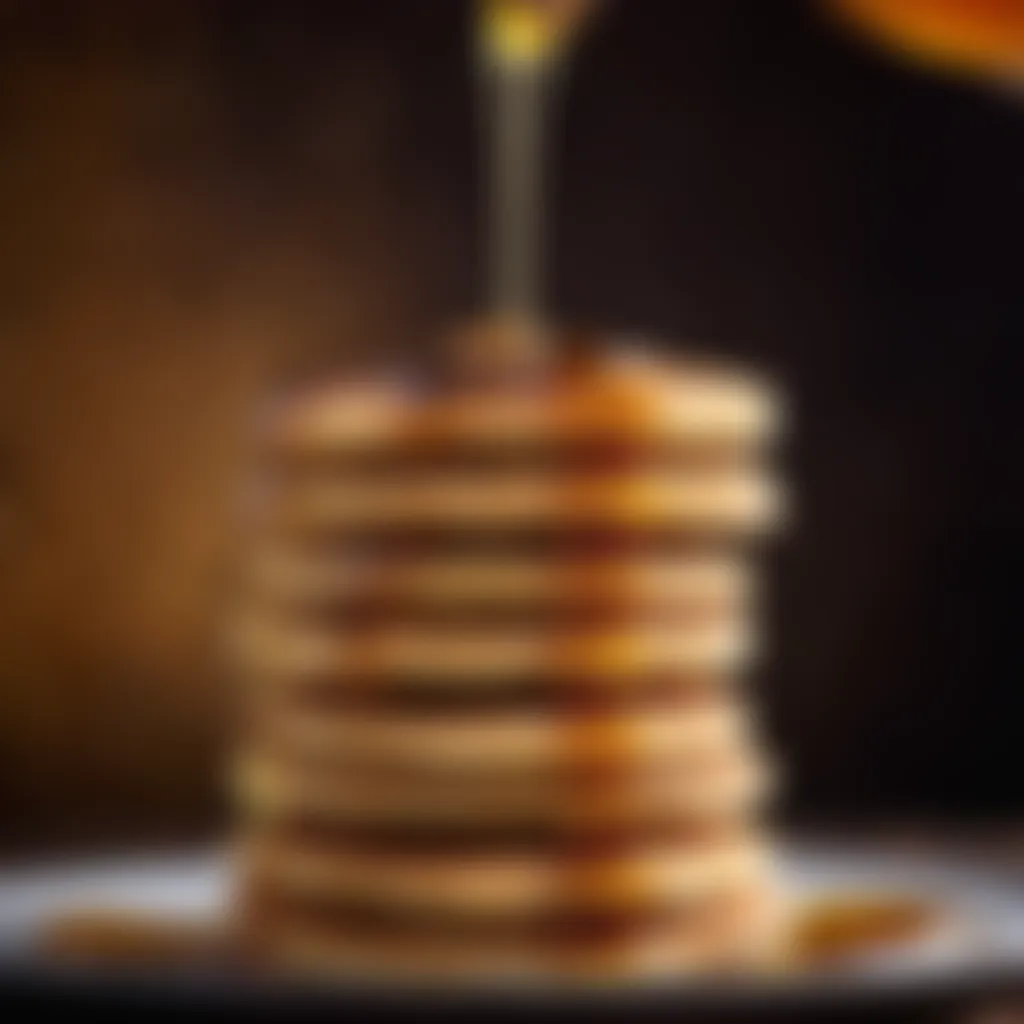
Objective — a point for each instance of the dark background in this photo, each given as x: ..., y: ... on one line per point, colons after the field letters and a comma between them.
x: 198, y: 198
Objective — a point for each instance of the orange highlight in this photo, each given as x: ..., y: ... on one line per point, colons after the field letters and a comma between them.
x: 976, y: 35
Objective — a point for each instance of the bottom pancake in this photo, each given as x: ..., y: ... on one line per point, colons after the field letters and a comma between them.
x: 512, y: 885
x: 732, y: 934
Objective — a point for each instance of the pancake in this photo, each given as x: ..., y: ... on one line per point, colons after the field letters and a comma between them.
x: 288, y: 577
x: 517, y: 504
x: 480, y: 740
x: 726, y: 784
x: 463, y: 657
x: 514, y: 888
x: 607, y: 394
x: 722, y: 936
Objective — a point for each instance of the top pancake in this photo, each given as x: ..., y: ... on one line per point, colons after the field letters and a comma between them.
x: 608, y: 396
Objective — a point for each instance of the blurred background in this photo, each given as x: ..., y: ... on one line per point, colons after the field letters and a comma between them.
x: 201, y: 198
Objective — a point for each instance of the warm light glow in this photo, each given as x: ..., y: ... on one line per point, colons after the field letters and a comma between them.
x: 985, y: 35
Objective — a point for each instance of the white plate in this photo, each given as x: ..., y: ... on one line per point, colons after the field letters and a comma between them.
x: 985, y: 911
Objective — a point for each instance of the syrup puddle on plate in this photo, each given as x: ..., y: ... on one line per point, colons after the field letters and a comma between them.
x: 827, y: 932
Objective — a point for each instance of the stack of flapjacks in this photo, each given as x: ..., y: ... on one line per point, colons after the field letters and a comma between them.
x: 494, y: 644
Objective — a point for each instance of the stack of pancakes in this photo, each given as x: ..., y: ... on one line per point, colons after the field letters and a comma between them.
x: 493, y: 644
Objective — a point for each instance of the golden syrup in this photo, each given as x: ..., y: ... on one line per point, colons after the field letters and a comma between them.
x: 588, y: 400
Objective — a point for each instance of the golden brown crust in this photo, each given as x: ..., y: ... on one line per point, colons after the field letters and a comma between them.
x: 492, y: 647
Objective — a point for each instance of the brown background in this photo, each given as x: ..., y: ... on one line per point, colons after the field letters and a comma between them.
x: 159, y: 269
x: 197, y: 198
